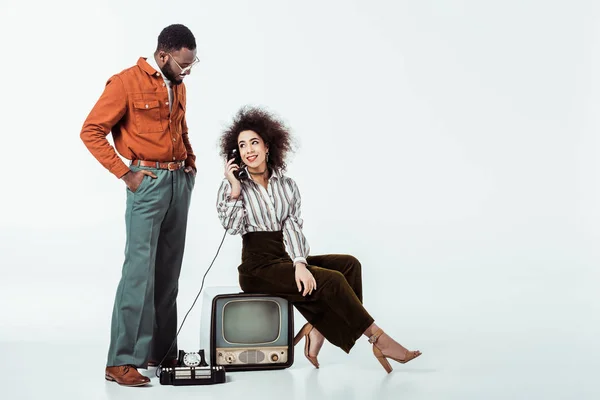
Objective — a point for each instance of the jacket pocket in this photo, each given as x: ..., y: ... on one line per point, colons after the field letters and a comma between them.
x: 147, y: 116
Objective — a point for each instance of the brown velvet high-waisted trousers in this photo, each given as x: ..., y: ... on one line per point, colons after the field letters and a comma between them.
x: 335, y: 308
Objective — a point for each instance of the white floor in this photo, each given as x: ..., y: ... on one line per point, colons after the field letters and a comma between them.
x: 531, y: 340
x: 492, y: 322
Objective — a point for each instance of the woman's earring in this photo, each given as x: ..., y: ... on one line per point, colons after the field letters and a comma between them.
x: 267, y: 156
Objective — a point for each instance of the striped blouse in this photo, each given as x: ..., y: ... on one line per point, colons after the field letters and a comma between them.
x: 276, y: 208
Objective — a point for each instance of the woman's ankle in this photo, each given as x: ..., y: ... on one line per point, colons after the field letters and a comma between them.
x: 371, y: 330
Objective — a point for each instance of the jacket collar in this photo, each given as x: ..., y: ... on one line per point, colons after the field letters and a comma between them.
x: 143, y: 64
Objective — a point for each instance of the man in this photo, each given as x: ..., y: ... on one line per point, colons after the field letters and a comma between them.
x: 144, y: 108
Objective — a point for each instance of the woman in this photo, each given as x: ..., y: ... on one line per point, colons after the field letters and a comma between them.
x: 264, y: 207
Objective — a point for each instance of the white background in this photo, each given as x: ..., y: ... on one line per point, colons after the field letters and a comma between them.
x: 452, y: 146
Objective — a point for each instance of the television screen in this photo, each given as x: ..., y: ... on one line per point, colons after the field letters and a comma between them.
x: 251, y: 322
x: 250, y: 331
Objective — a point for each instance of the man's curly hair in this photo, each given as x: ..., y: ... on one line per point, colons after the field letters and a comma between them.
x: 269, y: 127
x: 175, y: 37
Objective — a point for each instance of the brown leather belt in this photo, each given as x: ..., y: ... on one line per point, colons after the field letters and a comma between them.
x: 171, y: 166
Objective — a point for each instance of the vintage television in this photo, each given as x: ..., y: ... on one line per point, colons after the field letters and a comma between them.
x: 250, y: 331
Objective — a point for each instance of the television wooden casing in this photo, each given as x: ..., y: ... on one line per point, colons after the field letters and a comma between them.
x: 251, y: 367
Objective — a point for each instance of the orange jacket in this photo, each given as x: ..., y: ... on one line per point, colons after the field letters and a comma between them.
x: 135, y: 108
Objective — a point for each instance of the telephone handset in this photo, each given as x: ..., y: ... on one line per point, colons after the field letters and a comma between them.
x: 240, y: 174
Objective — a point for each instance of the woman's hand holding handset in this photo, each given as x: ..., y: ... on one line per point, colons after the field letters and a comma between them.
x: 236, y: 187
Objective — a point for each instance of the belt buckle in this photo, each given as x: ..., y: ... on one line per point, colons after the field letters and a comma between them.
x: 175, y: 167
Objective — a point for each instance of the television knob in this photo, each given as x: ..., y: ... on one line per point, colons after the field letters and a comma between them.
x: 274, y: 357
x: 230, y: 358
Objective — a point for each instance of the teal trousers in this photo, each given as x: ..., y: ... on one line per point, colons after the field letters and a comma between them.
x: 144, y: 319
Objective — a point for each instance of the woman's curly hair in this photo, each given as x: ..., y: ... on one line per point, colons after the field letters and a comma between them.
x: 269, y: 127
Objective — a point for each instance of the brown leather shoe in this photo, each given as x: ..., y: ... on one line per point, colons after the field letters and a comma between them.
x: 126, y: 375
x: 167, y: 363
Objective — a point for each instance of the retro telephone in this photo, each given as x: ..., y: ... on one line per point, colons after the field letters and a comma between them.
x: 191, y: 369
x: 240, y: 174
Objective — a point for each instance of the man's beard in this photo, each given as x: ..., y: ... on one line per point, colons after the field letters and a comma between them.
x: 174, y: 78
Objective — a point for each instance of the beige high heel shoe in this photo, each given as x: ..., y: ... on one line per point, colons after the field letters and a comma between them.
x: 410, y: 355
x: 304, y: 333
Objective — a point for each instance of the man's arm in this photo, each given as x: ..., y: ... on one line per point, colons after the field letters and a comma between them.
x: 106, y: 113
x: 190, y: 161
